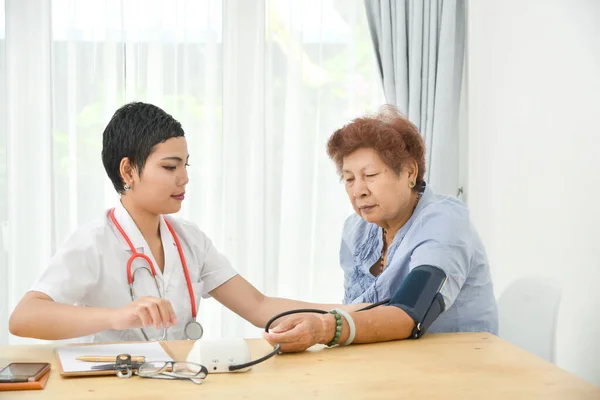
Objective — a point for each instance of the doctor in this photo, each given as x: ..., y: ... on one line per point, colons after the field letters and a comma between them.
x: 136, y: 274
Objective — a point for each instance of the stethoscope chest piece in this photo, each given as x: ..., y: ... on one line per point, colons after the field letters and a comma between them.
x: 193, y: 330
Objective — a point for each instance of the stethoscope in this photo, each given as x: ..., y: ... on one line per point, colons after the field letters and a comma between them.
x: 193, y: 330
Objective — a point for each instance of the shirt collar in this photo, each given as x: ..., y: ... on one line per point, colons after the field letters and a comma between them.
x: 424, y: 200
x: 135, y: 236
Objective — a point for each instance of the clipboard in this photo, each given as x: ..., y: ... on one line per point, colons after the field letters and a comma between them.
x: 36, y: 385
x: 68, y: 367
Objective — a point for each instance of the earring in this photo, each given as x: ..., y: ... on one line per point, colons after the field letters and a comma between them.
x: 412, y: 184
x: 127, y: 187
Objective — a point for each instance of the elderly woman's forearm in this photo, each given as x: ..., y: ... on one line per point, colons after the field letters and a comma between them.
x: 381, y: 324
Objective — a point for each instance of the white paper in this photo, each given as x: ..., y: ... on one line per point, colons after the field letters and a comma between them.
x: 153, y: 351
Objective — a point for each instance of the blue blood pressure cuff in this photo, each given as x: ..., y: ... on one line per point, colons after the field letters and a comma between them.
x: 420, y: 297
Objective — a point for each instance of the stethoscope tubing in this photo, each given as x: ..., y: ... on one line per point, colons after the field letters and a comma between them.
x: 152, y: 271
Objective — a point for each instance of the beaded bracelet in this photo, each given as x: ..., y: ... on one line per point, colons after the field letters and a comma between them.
x: 338, y: 328
x: 351, y: 325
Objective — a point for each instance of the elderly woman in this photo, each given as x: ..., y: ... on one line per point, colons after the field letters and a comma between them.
x: 400, y: 225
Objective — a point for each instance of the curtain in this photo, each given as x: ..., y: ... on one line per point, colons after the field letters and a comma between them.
x: 3, y: 184
x: 420, y: 50
x: 258, y: 87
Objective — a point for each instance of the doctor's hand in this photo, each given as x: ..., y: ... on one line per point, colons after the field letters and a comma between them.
x: 299, y: 332
x: 143, y: 312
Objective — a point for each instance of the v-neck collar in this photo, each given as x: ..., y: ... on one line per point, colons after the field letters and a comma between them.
x: 139, y: 243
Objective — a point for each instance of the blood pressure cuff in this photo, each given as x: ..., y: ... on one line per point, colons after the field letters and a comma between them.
x: 420, y: 297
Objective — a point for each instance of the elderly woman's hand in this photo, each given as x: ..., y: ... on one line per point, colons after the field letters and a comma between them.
x: 301, y: 331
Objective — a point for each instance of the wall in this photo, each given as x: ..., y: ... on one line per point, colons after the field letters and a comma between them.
x: 533, y: 155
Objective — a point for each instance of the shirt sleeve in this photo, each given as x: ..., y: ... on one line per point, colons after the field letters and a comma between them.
x: 73, y: 271
x: 445, y: 244
x: 215, y: 268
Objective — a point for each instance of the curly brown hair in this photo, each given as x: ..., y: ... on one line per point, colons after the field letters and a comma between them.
x: 392, y: 135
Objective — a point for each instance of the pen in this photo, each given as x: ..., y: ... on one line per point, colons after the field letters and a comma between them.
x: 134, y: 359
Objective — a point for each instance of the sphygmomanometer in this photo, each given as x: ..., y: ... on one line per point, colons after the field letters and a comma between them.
x: 419, y: 296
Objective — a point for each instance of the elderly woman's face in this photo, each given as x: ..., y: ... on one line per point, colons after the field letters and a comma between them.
x: 376, y: 192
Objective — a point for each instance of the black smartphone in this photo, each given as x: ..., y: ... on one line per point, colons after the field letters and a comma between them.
x: 23, y: 372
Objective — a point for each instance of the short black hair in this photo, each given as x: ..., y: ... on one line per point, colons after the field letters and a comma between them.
x: 132, y: 132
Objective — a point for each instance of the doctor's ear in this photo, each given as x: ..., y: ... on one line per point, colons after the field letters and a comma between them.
x: 127, y: 171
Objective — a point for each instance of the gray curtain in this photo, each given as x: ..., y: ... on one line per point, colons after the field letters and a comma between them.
x: 419, y: 46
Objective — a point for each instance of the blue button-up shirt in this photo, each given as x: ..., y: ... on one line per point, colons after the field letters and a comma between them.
x: 439, y: 233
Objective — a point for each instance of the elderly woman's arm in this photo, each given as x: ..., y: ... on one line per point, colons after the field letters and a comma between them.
x: 299, y: 332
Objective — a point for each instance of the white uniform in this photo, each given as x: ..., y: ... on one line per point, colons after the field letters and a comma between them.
x: 90, y: 269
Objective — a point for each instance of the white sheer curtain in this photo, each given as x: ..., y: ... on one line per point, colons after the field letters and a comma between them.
x: 258, y: 86
x: 3, y: 185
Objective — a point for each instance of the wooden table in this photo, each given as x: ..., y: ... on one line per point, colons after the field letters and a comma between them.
x: 445, y: 366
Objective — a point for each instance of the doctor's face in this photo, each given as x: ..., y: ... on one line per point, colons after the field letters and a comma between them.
x: 160, y: 188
